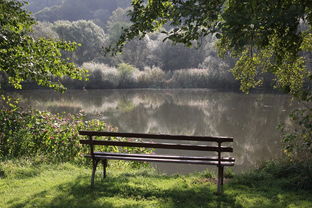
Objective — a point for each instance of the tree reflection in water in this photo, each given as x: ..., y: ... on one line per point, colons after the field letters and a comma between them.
x: 251, y: 119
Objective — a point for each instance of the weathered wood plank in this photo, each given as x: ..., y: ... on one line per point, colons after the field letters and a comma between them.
x: 159, y: 145
x: 196, y: 162
x: 158, y: 136
x: 212, y: 158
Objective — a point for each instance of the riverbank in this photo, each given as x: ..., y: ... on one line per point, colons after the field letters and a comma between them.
x: 184, y: 112
x: 27, y: 184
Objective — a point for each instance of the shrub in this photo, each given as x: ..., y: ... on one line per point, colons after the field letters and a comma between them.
x: 127, y: 74
x: 278, y: 173
x: 191, y: 78
x: 101, y: 76
x: 202, y: 78
x: 151, y: 77
x: 54, y: 137
x: 297, y: 138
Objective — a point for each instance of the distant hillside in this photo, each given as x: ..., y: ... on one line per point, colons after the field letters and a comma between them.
x: 72, y: 10
x: 37, y: 5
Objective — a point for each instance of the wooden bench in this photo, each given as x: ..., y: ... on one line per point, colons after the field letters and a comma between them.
x: 217, y: 160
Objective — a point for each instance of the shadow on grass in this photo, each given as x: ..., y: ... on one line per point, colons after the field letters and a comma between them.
x: 143, y: 189
x: 126, y: 191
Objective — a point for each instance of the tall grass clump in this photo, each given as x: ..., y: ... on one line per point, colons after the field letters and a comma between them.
x: 191, y: 78
x: 201, y: 78
x: 151, y: 77
x: 52, y: 137
x: 102, y: 76
x: 127, y: 75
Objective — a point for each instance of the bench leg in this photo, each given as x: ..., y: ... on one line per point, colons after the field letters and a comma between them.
x: 220, y: 179
x: 104, y: 163
x: 94, y: 164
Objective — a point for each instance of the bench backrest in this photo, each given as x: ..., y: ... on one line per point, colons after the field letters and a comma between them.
x: 199, y: 147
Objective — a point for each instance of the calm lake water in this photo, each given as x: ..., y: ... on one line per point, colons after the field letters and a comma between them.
x: 251, y: 119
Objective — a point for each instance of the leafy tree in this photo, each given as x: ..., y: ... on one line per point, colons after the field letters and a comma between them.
x: 91, y: 37
x: 150, y: 50
x: 136, y: 51
x: 177, y: 56
x: 219, y: 67
x: 262, y: 35
x: 118, y: 21
x: 24, y: 58
x: 44, y: 30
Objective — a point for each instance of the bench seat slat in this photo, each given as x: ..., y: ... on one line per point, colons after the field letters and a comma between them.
x: 197, y: 162
x: 157, y: 136
x: 228, y: 159
x: 159, y: 145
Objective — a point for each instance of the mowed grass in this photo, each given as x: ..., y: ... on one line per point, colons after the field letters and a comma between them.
x: 23, y: 184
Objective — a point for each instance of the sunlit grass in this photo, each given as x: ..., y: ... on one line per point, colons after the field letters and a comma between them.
x: 24, y: 184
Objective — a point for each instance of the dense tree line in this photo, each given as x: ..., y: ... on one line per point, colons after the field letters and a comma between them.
x: 97, y: 24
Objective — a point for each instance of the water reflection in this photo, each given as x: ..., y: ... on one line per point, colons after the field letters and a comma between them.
x: 250, y: 119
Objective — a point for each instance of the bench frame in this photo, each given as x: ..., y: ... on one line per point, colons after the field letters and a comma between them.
x: 218, y: 160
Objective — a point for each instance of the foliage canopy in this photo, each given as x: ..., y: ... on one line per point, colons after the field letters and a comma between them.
x: 24, y: 58
x: 265, y: 36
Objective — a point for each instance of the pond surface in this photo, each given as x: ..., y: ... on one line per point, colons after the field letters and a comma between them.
x: 251, y: 119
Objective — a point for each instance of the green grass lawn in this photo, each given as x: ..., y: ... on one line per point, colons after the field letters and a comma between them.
x: 23, y: 185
